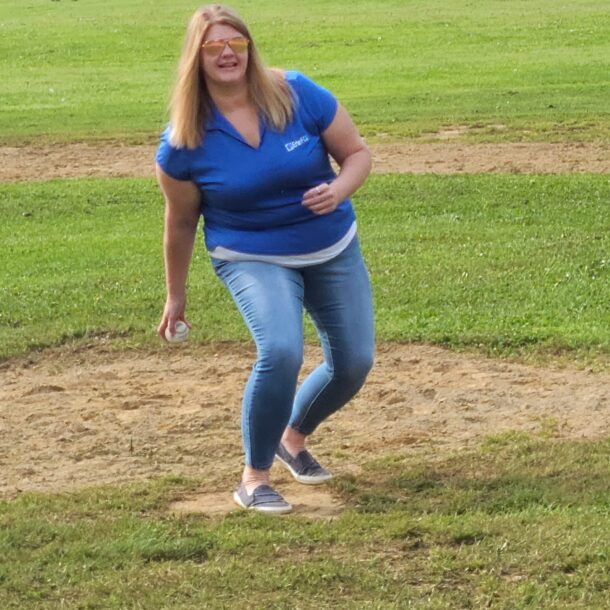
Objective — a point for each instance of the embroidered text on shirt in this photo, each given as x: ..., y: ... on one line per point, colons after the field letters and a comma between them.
x: 290, y: 146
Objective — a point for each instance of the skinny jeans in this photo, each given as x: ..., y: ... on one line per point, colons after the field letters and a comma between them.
x: 337, y: 296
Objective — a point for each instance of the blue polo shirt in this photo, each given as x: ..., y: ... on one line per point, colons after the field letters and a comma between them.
x: 251, y: 197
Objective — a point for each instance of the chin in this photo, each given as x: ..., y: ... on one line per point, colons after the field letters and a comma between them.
x: 230, y: 78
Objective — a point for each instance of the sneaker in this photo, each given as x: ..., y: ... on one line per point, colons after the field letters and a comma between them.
x: 304, y: 467
x: 264, y: 499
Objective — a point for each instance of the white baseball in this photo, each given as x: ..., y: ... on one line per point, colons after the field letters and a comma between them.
x: 181, y: 334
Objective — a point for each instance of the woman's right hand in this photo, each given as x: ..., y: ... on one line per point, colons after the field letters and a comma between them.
x: 173, y: 311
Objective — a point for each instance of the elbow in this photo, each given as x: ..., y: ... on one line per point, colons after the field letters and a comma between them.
x: 361, y: 156
x: 365, y: 159
x: 188, y: 225
x: 366, y: 152
x: 181, y: 225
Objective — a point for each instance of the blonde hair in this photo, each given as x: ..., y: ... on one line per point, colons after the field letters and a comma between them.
x: 190, y: 103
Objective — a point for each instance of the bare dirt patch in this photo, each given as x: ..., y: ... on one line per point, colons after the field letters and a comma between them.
x: 82, y: 416
x: 117, y: 159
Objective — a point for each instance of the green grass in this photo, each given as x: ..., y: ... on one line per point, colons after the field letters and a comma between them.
x: 520, y: 522
x: 507, y: 69
x: 506, y: 264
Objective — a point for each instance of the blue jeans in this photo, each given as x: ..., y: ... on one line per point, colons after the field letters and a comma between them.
x: 270, y: 298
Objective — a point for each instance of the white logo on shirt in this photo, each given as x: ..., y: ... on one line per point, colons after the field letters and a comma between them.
x: 290, y: 146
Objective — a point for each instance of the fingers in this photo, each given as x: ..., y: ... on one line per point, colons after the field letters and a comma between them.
x: 316, y: 195
x: 170, y: 323
x: 165, y: 323
x: 169, y: 319
x: 321, y: 199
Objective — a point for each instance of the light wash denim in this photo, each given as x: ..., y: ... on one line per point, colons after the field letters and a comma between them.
x: 270, y: 298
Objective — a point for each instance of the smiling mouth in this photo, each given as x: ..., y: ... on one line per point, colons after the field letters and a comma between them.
x: 228, y: 65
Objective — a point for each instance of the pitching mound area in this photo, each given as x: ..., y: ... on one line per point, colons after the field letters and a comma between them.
x: 86, y: 415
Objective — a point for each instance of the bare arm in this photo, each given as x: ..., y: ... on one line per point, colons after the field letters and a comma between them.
x: 347, y: 148
x: 182, y: 204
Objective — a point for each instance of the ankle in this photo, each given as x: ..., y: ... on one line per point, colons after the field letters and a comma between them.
x: 293, y: 441
x: 252, y: 478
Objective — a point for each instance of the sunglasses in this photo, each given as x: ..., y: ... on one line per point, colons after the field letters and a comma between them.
x: 216, y: 47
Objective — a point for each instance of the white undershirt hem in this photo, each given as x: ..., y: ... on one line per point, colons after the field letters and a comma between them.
x: 296, y: 260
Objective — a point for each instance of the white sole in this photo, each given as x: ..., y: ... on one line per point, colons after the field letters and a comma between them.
x: 268, y: 510
x: 304, y: 478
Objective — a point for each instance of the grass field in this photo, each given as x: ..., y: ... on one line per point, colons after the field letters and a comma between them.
x: 519, y: 523
x: 511, y: 265
x: 507, y: 69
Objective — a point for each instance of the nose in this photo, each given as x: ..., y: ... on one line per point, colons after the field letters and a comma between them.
x: 227, y: 48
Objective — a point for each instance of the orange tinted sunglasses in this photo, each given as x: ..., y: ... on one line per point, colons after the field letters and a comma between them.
x: 216, y: 47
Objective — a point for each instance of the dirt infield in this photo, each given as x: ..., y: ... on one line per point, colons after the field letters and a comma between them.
x: 116, y: 159
x: 81, y: 416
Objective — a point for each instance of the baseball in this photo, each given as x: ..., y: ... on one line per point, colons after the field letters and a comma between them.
x: 182, y: 332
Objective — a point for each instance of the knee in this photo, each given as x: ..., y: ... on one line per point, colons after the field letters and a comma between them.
x: 356, y: 369
x: 281, y: 356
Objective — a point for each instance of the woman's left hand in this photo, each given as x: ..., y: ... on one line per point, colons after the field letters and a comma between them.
x: 321, y: 199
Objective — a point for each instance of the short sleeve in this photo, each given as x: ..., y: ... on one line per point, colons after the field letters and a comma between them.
x: 317, y: 102
x: 173, y: 161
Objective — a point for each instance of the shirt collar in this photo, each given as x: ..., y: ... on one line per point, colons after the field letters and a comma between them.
x: 217, y: 122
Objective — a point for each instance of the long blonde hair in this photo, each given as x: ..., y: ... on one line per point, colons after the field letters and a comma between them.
x: 190, y: 103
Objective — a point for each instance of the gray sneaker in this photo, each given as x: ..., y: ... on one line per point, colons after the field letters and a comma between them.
x: 264, y: 499
x: 304, y: 467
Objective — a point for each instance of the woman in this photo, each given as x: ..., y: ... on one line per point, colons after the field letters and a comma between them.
x: 247, y: 147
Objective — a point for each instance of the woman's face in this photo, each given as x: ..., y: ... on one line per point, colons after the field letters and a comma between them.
x: 222, y: 65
